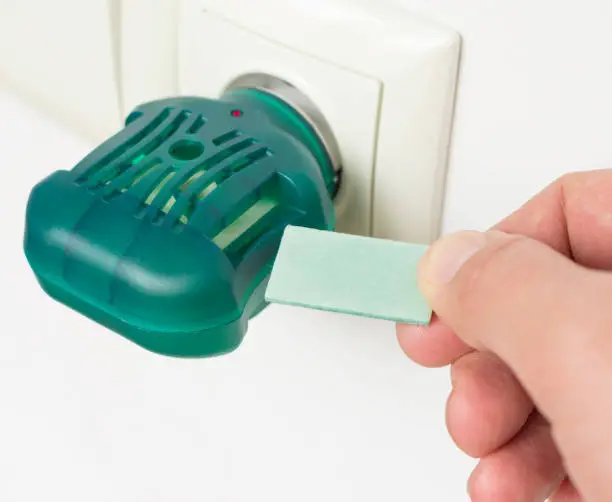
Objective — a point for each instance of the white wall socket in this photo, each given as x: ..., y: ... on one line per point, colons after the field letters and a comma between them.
x: 383, y: 79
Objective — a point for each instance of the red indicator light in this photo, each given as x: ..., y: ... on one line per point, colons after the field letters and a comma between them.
x: 237, y: 113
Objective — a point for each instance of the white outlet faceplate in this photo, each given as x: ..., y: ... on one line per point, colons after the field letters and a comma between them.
x: 384, y: 80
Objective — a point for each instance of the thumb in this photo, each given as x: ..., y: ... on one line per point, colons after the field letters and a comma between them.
x: 549, y: 320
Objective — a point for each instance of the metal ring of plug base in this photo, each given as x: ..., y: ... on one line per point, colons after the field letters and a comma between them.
x: 300, y: 102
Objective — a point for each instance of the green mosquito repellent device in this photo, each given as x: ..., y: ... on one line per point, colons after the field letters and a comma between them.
x: 167, y: 232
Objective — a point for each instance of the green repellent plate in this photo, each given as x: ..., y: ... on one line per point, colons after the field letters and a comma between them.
x: 349, y: 274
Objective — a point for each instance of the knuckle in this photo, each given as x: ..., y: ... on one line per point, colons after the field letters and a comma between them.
x: 572, y: 179
x: 567, y: 179
x: 493, y: 275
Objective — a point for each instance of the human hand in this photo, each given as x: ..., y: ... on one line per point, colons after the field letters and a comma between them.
x: 524, y: 317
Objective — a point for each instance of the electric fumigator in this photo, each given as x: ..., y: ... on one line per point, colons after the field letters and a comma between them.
x: 167, y: 232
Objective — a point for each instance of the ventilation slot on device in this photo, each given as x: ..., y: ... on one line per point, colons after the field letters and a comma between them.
x: 224, y: 138
x: 198, y: 123
x: 131, y: 142
x: 107, y: 171
x: 255, y: 216
x: 220, y: 177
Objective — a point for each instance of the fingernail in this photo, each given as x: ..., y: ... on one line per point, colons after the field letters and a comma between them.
x: 444, y: 259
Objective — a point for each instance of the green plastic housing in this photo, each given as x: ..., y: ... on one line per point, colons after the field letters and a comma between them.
x: 167, y: 232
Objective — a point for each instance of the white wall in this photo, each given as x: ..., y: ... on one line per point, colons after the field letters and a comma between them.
x: 62, y: 55
x: 535, y: 99
x: 313, y: 406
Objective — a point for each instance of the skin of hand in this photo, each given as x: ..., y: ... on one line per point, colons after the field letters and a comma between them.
x: 523, y: 315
